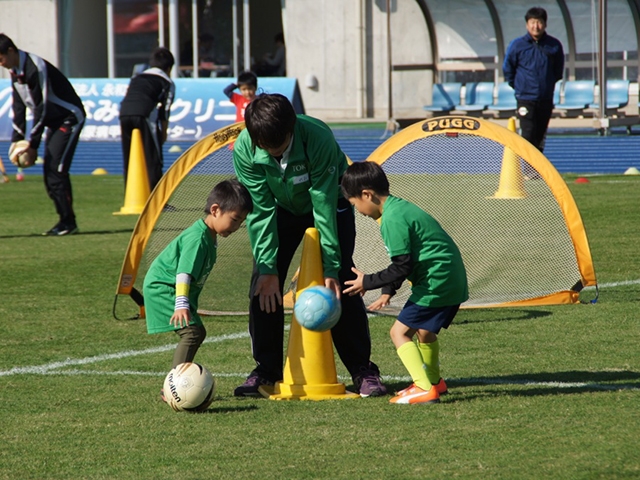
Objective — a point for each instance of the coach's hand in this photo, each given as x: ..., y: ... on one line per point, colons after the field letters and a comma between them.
x: 334, y: 285
x: 268, y: 291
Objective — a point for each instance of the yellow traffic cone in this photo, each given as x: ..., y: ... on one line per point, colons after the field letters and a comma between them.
x: 310, y: 368
x: 511, y: 178
x: 137, y: 189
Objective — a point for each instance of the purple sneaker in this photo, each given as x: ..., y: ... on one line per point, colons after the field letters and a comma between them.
x: 250, y: 386
x: 368, y: 384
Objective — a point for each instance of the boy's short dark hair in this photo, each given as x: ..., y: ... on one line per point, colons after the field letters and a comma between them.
x: 231, y: 196
x: 247, y: 78
x: 269, y: 119
x: 538, y: 13
x: 364, y: 176
x: 162, y: 58
x: 5, y: 44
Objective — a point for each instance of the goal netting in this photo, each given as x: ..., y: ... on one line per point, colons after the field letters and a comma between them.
x: 522, y: 241
x: 507, y: 208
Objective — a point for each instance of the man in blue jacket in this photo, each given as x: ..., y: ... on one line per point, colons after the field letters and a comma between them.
x: 532, y: 66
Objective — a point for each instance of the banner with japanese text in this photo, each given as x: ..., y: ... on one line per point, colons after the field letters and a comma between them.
x: 199, y: 108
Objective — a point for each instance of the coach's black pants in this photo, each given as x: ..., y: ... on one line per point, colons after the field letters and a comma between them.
x: 534, y: 119
x: 150, y: 143
x: 350, y: 335
x: 58, y: 153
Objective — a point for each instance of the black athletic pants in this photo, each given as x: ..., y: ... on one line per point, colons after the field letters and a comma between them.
x: 534, y: 119
x: 58, y: 153
x: 350, y: 335
x: 150, y: 144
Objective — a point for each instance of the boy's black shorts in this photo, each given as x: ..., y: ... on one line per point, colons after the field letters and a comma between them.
x: 427, y: 318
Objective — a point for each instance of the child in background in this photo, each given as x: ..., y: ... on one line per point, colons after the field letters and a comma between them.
x: 423, y: 253
x: 177, y: 275
x: 248, y: 85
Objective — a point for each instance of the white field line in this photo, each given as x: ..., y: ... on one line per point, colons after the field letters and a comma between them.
x: 615, y: 284
x: 43, y: 369
x: 53, y: 368
x: 387, y: 378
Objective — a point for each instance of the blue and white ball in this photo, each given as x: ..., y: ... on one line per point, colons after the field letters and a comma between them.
x: 317, y: 309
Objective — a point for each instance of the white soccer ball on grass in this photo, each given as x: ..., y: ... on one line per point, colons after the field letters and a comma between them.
x: 189, y: 387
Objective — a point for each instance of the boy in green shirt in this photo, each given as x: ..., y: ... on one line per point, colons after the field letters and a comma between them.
x: 177, y: 275
x: 423, y: 253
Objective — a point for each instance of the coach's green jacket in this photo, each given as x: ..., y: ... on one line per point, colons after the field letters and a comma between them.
x: 310, y: 182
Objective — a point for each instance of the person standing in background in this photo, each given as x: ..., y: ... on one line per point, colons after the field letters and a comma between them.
x: 532, y: 66
x: 146, y: 106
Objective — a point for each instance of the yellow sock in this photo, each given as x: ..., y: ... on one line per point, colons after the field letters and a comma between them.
x: 430, y: 353
x: 412, y: 360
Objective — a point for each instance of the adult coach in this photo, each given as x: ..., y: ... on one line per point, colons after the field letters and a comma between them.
x: 291, y: 164
x: 146, y: 107
x: 532, y: 66
x: 47, y: 93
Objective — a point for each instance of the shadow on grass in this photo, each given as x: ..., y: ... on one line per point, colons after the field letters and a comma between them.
x: 505, y: 315
x: 549, y: 383
x: 81, y: 232
x: 211, y: 411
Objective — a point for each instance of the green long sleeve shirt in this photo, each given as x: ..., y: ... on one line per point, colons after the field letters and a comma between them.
x: 309, y: 183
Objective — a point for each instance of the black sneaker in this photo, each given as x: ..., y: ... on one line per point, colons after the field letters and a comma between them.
x: 250, y: 386
x: 368, y: 384
x: 61, y: 229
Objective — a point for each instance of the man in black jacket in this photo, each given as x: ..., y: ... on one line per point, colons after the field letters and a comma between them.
x: 146, y: 107
x: 47, y: 93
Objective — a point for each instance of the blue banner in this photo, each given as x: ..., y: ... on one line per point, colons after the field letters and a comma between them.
x: 199, y: 108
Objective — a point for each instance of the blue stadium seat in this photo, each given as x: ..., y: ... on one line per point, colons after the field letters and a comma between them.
x: 445, y: 97
x: 556, y: 93
x: 578, y: 95
x: 617, y: 95
x: 478, y: 96
x: 505, y: 100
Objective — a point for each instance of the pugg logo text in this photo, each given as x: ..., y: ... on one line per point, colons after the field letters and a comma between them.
x: 445, y: 123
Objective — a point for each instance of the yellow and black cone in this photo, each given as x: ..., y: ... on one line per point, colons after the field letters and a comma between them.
x: 310, y: 368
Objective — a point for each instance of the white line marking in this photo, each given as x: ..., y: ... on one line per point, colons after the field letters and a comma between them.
x: 453, y: 382
x: 43, y: 369
x: 615, y: 284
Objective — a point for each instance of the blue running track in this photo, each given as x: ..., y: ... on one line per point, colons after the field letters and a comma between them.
x: 584, y: 153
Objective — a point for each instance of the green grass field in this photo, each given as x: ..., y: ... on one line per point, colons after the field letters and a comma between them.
x: 546, y: 392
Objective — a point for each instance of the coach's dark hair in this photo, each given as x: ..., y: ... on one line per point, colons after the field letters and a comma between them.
x: 269, y: 119
x: 231, y: 196
x: 364, y: 176
x: 162, y: 58
x: 247, y: 78
x: 538, y: 13
x: 5, y: 44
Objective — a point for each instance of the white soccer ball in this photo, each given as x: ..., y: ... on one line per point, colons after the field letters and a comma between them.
x: 23, y: 160
x: 189, y: 387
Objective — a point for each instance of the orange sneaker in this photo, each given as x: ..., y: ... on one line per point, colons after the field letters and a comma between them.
x: 405, y: 390
x: 441, y: 387
x: 415, y: 395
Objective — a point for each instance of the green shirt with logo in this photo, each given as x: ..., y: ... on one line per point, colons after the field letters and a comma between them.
x: 309, y: 183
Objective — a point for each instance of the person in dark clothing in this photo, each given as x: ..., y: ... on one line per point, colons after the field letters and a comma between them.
x: 48, y: 94
x: 291, y: 164
x: 532, y: 66
x: 146, y: 107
